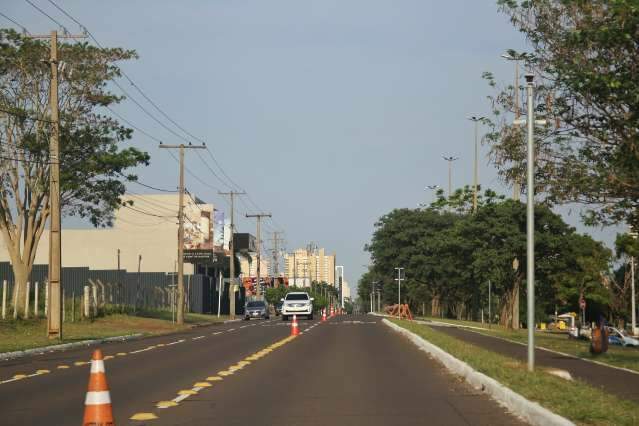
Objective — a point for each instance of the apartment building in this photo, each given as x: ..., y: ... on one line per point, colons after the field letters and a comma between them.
x: 303, y: 267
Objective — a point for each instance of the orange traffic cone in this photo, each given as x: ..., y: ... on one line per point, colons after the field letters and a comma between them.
x: 97, y: 405
x: 324, y: 315
x: 294, y: 326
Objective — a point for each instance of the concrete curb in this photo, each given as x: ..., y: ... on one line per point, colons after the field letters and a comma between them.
x: 55, y: 348
x: 530, y: 411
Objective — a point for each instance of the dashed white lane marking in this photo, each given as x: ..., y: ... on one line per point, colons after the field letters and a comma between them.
x: 230, y: 329
x: 173, y: 343
x: 217, y: 332
x: 198, y: 338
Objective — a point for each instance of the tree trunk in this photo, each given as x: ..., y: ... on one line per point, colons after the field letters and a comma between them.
x: 515, y: 304
x: 435, y: 306
x: 20, y: 275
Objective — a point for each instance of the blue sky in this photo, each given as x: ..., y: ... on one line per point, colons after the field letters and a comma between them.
x: 330, y: 113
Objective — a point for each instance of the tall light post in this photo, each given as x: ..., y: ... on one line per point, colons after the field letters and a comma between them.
x: 476, y: 120
x: 632, y: 289
x: 511, y: 55
x: 399, y: 291
x: 450, y: 160
x: 530, y: 219
x: 433, y: 188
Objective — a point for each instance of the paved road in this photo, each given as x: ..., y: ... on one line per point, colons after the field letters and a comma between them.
x: 348, y: 371
x: 622, y: 383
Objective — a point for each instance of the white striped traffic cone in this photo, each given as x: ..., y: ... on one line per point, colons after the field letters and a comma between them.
x: 97, y: 405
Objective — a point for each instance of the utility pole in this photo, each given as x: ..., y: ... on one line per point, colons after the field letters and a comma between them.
x: 476, y: 120
x: 54, y: 314
x: 232, y: 195
x: 180, y: 271
x: 633, y: 307
x: 450, y: 160
x: 399, y: 291
x: 258, y: 217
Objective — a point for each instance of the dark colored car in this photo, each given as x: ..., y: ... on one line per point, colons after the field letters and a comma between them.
x: 256, y: 309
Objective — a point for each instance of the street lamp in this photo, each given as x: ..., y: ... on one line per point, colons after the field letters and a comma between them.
x: 511, y: 55
x: 530, y: 219
x: 433, y: 188
x: 476, y: 172
x: 450, y: 160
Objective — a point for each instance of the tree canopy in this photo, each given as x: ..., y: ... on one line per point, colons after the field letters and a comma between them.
x: 92, y: 164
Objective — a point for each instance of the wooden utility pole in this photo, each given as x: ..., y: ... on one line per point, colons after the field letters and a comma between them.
x: 54, y: 311
x: 232, y: 195
x: 180, y: 272
x: 259, y: 217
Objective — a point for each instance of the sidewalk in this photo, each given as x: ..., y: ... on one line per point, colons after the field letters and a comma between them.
x: 615, y: 381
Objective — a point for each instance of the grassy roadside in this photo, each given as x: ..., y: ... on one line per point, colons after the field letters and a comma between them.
x: 616, y: 356
x: 577, y: 401
x: 25, y: 334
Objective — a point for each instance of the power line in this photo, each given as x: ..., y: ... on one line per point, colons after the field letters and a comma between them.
x: 48, y: 16
x: 24, y: 29
x: 146, y: 213
x: 149, y: 186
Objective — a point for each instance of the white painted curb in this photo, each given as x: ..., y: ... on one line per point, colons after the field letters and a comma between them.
x: 530, y: 411
x: 45, y: 349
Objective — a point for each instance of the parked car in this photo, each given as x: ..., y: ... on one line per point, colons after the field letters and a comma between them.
x: 297, y: 303
x: 256, y: 309
x: 620, y: 337
x: 278, y: 308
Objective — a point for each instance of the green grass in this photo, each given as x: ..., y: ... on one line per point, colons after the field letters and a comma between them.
x: 575, y: 400
x: 25, y: 334
x: 616, y: 356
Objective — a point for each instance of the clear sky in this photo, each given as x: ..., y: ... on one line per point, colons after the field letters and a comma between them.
x: 330, y: 113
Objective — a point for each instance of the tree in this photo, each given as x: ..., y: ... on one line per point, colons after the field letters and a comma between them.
x: 92, y: 166
x: 586, y: 53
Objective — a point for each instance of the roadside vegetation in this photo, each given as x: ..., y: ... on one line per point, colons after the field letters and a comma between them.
x: 23, y: 334
x: 616, y: 356
x: 575, y: 400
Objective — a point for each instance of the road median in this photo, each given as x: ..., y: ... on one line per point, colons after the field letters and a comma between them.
x: 540, y: 398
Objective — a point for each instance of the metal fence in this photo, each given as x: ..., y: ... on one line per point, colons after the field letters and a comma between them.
x: 118, y: 290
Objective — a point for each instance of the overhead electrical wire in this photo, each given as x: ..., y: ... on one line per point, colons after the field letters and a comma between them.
x: 48, y: 16
x: 24, y: 29
x: 154, y: 118
x: 145, y: 212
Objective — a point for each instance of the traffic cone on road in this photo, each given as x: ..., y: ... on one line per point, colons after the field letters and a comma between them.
x: 97, y: 405
x: 294, y: 326
x: 324, y: 315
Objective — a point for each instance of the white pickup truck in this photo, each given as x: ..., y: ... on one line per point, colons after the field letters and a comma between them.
x: 297, y: 303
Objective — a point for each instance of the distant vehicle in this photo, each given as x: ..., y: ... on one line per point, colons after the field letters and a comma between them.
x: 620, y: 337
x: 298, y: 303
x: 256, y: 309
x: 278, y: 308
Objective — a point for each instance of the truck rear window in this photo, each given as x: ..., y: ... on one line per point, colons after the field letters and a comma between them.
x: 297, y: 296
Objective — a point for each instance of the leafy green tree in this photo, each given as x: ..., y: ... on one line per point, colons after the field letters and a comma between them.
x: 586, y: 53
x: 92, y: 164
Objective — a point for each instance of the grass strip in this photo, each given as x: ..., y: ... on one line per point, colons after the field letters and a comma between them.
x: 616, y: 356
x: 16, y: 335
x: 575, y: 400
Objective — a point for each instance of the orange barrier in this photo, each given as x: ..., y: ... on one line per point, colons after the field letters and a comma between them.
x: 97, y: 404
x: 401, y: 311
x: 324, y: 315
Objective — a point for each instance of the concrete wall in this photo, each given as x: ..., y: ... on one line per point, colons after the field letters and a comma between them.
x: 149, y: 229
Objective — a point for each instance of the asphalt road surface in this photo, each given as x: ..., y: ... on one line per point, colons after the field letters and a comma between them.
x: 351, y: 370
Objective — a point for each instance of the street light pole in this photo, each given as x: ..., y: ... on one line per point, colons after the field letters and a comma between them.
x: 530, y: 220
x: 433, y: 188
x: 511, y: 55
x: 476, y: 120
x: 450, y: 160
